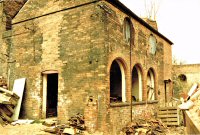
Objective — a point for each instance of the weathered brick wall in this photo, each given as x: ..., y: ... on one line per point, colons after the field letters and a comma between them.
x: 119, y: 114
x: 81, y: 42
x: 191, y: 71
x: 42, y: 8
x: 69, y: 41
x: 3, y: 47
x: 118, y: 48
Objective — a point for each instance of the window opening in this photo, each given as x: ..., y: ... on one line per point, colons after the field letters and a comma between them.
x: 152, y: 43
x: 150, y: 85
x: 136, y: 84
x: 117, y: 82
x: 127, y: 30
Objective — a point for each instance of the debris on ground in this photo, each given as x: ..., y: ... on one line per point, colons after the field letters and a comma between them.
x: 8, y: 102
x: 75, y: 125
x: 49, y: 122
x: 21, y: 122
x: 191, y: 110
x: 142, y: 126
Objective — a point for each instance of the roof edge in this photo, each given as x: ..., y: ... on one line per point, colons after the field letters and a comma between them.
x: 126, y: 10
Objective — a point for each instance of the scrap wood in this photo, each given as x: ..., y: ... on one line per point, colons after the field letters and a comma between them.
x: 2, y: 121
x: 49, y: 123
x: 141, y: 130
x: 6, y: 91
x: 6, y: 95
x: 77, y: 121
x: 143, y: 126
x: 6, y: 110
x: 50, y: 130
x: 71, y: 131
x: 4, y: 116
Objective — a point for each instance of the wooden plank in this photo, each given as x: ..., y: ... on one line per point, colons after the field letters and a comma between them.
x: 9, y: 107
x: 168, y: 112
x: 4, y: 116
x: 1, y: 121
x: 168, y: 108
x: 172, y: 123
x: 169, y: 119
x: 13, y: 102
x: 5, y: 102
x: 14, y: 95
x: 18, y: 88
x: 6, y: 111
x: 168, y: 116
x: 178, y: 118
x: 6, y: 91
x: 3, y: 97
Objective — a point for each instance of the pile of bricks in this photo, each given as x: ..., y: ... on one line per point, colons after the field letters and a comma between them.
x: 144, y: 126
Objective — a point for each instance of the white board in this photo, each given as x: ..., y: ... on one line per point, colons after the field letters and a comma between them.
x: 18, y: 88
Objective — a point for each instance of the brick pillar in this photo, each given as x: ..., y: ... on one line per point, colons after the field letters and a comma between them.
x: 90, y: 115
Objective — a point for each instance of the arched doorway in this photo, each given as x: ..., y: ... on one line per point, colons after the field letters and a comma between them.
x: 117, y: 82
x: 150, y: 85
x: 136, y: 84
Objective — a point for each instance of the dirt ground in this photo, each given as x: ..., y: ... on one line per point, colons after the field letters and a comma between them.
x: 175, y: 131
x: 27, y: 129
x: 37, y: 129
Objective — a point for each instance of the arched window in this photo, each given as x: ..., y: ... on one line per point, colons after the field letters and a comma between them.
x: 151, y: 85
x: 117, y: 82
x: 152, y: 44
x: 136, y: 84
x: 127, y: 30
x: 182, y: 78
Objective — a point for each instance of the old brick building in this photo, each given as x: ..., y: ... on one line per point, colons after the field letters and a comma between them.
x: 77, y: 51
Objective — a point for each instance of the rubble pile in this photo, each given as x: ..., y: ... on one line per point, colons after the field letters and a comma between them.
x: 142, y: 126
x: 75, y: 125
x: 8, y: 101
x: 195, y: 111
x: 191, y: 109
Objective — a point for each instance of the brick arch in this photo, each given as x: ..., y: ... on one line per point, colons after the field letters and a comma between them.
x: 137, y: 78
x: 121, y: 67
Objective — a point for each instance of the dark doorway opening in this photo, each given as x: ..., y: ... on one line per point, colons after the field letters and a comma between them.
x: 52, y: 95
x: 115, y: 83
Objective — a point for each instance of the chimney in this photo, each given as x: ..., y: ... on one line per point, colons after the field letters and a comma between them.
x: 152, y: 23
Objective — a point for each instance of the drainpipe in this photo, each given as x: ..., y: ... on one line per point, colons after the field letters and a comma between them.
x: 131, y: 79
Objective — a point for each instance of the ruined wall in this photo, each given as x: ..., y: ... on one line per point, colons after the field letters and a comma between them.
x: 191, y: 72
x: 4, y: 43
x: 68, y: 41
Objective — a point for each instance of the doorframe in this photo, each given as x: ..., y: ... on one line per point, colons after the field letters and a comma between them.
x: 44, y: 90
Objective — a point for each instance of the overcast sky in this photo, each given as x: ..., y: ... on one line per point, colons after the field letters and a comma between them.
x: 179, y: 21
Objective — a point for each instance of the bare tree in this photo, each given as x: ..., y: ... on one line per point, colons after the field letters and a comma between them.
x: 152, y: 7
x: 176, y: 61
